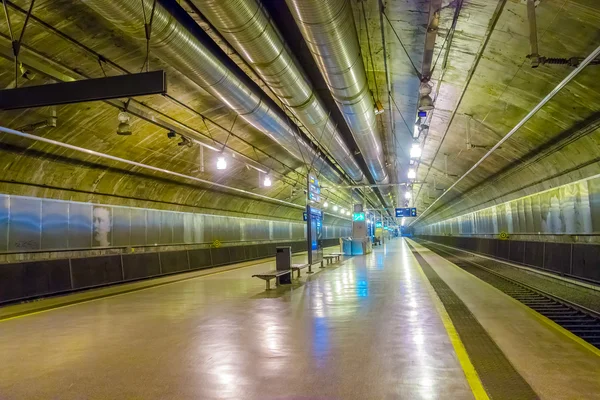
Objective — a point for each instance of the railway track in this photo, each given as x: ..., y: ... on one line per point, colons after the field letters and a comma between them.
x: 579, y: 320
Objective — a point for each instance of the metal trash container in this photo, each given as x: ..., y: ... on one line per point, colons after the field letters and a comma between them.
x: 283, y: 262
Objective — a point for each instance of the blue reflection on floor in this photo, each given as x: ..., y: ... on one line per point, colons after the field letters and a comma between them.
x: 362, y: 288
x: 320, y: 340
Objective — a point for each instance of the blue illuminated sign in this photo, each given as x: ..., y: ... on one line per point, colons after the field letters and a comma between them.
x: 406, y: 212
x: 378, y: 225
x: 316, y: 212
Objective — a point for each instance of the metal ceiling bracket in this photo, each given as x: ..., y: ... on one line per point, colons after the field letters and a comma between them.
x: 534, y: 55
x: 113, y: 87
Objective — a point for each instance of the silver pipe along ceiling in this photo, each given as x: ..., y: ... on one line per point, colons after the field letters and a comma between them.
x: 178, y: 47
x: 246, y: 26
x: 329, y: 30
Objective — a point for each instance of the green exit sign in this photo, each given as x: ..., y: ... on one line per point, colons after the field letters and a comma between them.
x: 358, y: 217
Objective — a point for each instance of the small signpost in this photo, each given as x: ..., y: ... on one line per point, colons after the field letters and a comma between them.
x: 314, y: 221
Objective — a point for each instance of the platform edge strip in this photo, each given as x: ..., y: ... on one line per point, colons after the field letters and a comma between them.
x: 530, y: 311
x: 471, y: 374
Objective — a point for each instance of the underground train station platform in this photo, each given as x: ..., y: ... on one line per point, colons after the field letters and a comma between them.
x: 399, y: 323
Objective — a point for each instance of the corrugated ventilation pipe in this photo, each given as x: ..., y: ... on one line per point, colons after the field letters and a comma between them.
x: 246, y: 25
x: 178, y: 47
x: 329, y: 30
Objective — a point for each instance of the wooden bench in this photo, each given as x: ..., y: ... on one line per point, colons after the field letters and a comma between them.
x: 298, y: 267
x: 331, y: 257
x: 275, y: 274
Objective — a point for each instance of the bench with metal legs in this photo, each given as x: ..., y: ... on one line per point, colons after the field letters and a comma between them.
x: 275, y: 274
x: 298, y: 267
x: 331, y: 257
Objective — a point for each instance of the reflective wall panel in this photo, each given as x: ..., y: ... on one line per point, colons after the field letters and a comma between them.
x: 569, y: 209
x: 55, y: 222
x: 25, y: 224
x: 80, y: 225
x: 4, y: 212
x: 32, y: 224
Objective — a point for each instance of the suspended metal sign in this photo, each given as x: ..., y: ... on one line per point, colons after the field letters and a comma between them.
x: 406, y: 212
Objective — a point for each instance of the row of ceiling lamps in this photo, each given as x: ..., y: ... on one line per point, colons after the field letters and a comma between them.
x: 222, y: 164
x: 420, y: 128
x: 124, y: 129
x: 335, y: 207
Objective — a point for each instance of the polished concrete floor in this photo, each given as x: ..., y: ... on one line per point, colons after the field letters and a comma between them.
x: 366, y: 329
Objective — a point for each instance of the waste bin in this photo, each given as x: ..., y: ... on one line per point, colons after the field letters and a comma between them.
x: 283, y: 262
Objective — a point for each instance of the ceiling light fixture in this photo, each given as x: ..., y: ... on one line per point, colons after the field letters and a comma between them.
x: 412, y: 173
x: 326, y: 204
x: 185, y: 142
x: 425, y: 101
x: 378, y: 108
x: 124, y: 127
x: 267, y: 182
x: 221, y: 163
x: 408, y: 195
x: 415, y: 151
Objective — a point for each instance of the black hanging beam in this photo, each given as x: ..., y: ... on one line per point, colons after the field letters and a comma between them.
x: 113, y: 87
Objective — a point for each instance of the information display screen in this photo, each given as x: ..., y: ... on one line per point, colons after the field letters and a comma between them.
x: 406, y: 212
x: 313, y: 188
x: 315, y: 234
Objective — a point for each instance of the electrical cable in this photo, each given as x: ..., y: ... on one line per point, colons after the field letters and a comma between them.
x: 403, y: 48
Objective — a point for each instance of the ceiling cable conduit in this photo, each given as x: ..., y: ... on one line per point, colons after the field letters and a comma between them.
x: 180, y: 48
x: 519, y: 125
x: 329, y: 30
x: 247, y: 27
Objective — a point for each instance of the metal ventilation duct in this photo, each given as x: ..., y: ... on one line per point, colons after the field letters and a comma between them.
x: 178, y: 47
x: 329, y: 30
x: 246, y: 25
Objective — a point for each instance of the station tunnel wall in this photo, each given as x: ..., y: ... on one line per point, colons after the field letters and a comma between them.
x: 51, y: 246
x: 557, y: 230
x: 572, y: 209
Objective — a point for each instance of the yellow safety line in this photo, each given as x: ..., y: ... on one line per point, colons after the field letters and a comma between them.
x: 461, y: 353
x: 537, y: 315
x: 154, y: 286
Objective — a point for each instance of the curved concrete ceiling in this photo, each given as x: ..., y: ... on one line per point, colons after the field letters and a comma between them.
x: 46, y: 171
x: 559, y: 144
x: 482, y: 84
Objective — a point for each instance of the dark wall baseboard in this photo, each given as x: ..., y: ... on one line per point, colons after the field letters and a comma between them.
x: 33, y: 279
x: 580, y: 261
